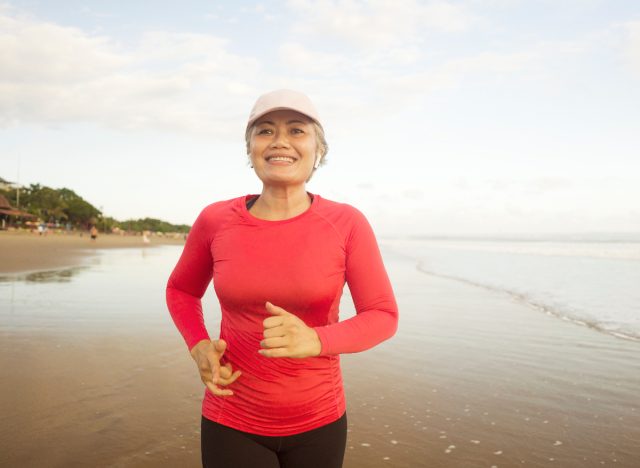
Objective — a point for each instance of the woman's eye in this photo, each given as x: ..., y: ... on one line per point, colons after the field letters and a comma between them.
x: 297, y: 130
x: 264, y: 131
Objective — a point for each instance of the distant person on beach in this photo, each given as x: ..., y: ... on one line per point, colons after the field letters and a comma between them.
x: 94, y: 233
x: 279, y: 260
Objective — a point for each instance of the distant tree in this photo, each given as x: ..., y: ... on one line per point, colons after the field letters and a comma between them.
x: 153, y: 225
x: 78, y: 211
x: 44, y: 202
x: 107, y: 224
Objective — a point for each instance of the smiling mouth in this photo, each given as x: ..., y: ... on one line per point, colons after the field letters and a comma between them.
x: 287, y: 159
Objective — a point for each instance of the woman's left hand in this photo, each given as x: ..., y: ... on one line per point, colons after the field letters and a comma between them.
x: 286, y: 335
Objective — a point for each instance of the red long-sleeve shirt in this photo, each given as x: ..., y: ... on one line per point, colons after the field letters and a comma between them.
x: 300, y: 264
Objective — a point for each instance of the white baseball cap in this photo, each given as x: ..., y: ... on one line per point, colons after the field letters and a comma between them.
x: 283, y: 99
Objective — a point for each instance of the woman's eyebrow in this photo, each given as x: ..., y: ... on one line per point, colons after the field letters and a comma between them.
x: 295, y: 121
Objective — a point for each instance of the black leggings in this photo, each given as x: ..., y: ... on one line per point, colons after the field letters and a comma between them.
x: 224, y: 447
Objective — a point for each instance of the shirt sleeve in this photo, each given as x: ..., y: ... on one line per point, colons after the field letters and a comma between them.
x: 376, y: 316
x: 189, y: 281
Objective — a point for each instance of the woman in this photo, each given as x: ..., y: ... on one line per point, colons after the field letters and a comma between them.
x: 279, y: 261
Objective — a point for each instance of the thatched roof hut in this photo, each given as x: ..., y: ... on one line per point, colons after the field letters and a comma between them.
x: 7, y: 209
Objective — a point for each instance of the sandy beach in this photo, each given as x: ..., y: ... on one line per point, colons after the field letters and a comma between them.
x: 473, y: 378
x: 22, y: 251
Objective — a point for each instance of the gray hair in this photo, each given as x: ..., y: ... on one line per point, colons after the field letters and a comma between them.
x: 323, y: 147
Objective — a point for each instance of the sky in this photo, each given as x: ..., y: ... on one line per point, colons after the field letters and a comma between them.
x: 461, y: 117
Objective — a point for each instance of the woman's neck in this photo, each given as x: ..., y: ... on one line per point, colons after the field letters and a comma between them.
x: 277, y: 203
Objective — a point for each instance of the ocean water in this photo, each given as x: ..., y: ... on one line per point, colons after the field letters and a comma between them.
x: 115, y: 288
x: 592, y: 283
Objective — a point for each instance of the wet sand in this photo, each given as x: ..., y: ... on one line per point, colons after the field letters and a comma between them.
x: 22, y: 252
x: 472, y: 379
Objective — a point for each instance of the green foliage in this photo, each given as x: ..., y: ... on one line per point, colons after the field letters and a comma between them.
x: 107, y: 224
x: 77, y: 210
x: 65, y: 206
x: 57, y: 205
x: 153, y: 225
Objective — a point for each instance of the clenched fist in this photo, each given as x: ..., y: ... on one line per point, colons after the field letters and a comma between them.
x: 286, y: 335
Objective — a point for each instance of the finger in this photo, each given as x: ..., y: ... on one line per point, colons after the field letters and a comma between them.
x: 214, y: 365
x: 275, y: 352
x: 230, y: 380
x: 214, y: 386
x: 235, y: 376
x: 220, y: 346
x: 225, y: 372
x: 273, y: 321
x: 218, y: 391
x: 275, y: 331
x: 207, y: 381
x: 275, y: 310
x: 277, y: 342
x: 227, y: 375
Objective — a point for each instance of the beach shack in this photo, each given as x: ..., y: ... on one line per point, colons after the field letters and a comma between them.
x: 9, y: 215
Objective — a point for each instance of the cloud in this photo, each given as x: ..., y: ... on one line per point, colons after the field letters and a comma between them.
x: 449, y: 73
x: 306, y: 62
x: 193, y: 83
x: 35, y: 52
x: 350, y: 85
x: 378, y: 23
x: 172, y: 82
x: 398, y: 53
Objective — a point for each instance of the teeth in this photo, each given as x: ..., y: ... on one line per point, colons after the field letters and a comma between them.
x: 281, y: 158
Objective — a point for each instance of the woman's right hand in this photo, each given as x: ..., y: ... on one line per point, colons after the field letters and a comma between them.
x: 207, y: 355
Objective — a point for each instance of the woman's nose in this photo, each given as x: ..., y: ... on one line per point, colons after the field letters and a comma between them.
x: 280, y: 140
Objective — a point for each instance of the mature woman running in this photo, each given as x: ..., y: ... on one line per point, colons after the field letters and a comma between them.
x: 279, y: 261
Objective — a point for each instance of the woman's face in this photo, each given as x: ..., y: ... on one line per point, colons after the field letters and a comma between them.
x: 283, y: 148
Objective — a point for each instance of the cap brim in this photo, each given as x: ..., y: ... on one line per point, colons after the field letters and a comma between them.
x: 268, y: 111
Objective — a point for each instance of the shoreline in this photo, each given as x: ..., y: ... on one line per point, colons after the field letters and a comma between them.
x: 24, y: 253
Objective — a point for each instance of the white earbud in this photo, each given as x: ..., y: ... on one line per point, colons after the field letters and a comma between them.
x: 317, y: 163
